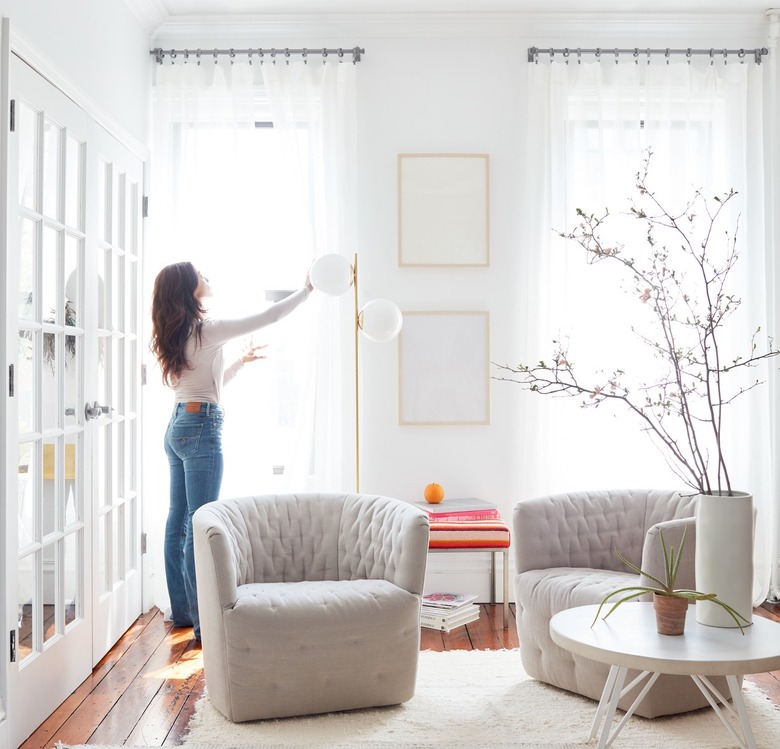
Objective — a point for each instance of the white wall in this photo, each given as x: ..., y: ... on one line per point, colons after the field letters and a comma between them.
x: 98, y: 47
x: 455, y: 84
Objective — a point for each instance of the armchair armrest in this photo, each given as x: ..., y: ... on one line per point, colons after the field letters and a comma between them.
x: 216, y: 558
x: 386, y: 539
x: 652, y: 551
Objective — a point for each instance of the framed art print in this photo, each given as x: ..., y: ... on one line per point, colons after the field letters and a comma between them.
x: 443, y: 210
x: 443, y: 361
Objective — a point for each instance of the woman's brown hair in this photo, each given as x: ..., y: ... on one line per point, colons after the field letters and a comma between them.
x: 176, y: 313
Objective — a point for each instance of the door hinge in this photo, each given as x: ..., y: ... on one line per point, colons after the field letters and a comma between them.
x: 145, y: 206
x: 12, y: 116
x: 143, y: 374
x: 12, y: 649
x: 10, y: 380
x: 143, y: 543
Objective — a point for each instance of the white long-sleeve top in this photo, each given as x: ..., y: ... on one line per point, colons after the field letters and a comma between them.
x: 207, y: 373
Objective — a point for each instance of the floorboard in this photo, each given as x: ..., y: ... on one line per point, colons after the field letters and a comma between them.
x: 144, y: 691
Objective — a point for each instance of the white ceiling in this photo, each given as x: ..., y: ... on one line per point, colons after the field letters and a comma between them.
x: 186, y: 7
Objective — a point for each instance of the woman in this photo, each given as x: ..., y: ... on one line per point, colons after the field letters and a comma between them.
x: 188, y: 347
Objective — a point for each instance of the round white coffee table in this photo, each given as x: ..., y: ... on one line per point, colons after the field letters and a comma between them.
x: 628, y: 639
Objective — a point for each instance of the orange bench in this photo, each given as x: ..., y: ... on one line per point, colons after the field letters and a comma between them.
x: 476, y: 535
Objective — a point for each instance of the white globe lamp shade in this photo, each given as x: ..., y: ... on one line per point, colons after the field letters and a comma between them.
x: 331, y: 274
x: 380, y: 320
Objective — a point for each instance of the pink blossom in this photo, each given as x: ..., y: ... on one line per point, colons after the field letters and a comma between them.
x: 645, y: 296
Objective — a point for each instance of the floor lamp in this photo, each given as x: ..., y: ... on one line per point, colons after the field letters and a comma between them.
x: 379, y: 320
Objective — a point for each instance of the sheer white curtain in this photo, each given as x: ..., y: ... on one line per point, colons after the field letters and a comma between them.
x: 252, y: 178
x: 592, y: 123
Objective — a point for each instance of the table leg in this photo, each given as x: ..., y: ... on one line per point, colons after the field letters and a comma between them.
x: 605, y: 712
x: 724, y: 711
x: 506, y: 589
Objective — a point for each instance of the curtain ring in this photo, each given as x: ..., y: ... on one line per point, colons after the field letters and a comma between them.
x: 617, y: 55
x: 579, y: 56
x: 273, y: 55
x: 725, y: 57
x: 667, y: 55
x: 260, y: 54
x: 712, y: 56
x: 197, y: 56
x: 566, y: 55
x: 598, y: 54
x: 324, y: 55
x: 305, y: 54
x: 741, y: 55
x: 216, y: 53
x: 647, y: 52
x: 232, y: 56
x: 689, y: 54
x: 286, y: 55
x: 341, y: 55
x: 173, y: 56
x: 186, y: 56
x: 249, y: 55
x: 552, y: 54
x: 636, y: 55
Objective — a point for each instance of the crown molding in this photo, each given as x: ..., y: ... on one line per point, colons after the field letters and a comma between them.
x: 207, y: 27
x: 151, y: 13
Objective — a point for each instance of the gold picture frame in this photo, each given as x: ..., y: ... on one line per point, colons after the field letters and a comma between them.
x: 443, y: 210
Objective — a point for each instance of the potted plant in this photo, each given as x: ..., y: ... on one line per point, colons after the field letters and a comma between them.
x: 670, y: 602
x: 679, y: 276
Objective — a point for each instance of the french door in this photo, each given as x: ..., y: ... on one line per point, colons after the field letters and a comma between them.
x: 72, y: 409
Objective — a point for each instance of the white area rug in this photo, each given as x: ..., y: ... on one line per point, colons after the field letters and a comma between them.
x: 478, y: 699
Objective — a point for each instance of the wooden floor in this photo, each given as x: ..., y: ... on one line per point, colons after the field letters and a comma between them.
x: 144, y: 691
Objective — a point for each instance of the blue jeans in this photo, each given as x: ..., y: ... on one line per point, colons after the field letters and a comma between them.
x: 193, y: 444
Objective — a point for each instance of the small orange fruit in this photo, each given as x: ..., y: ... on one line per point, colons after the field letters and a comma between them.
x: 433, y: 493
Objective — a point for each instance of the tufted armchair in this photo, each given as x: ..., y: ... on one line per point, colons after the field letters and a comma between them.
x: 309, y: 603
x: 564, y: 548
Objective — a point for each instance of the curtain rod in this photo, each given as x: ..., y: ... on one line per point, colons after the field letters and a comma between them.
x: 261, y: 54
x: 603, y: 52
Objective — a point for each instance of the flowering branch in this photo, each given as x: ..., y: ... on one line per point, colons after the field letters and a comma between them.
x: 685, y: 290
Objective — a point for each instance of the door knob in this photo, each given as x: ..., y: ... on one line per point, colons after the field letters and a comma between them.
x: 95, y: 410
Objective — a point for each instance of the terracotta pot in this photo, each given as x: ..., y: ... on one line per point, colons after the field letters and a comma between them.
x: 670, y: 614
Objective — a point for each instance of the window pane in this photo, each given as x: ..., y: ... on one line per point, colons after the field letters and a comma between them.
x: 51, y: 566
x: 52, y: 457
x: 72, y: 587
x: 49, y: 276
x: 26, y: 569
x: 27, y: 254
x: 29, y: 346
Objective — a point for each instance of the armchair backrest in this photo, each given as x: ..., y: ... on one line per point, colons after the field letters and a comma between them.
x: 317, y: 536
x: 583, y: 529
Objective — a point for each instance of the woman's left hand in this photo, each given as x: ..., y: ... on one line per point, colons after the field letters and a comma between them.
x: 252, y: 353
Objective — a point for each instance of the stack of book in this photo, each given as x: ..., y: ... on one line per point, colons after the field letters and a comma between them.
x: 459, y: 510
x: 445, y: 611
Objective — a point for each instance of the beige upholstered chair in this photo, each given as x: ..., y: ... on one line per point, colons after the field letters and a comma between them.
x: 564, y: 548
x: 309, y: 603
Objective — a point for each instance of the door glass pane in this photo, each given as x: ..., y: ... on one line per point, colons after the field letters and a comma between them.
x: 73, y: 182
x: 132, y: 326
x: 104, y: 201
x: 72, y: 589
x: 121, y: 211
x: 74, y: 344
x: 29, y: 343
x: 49, y: 276
x: 103, y: 383
x: 72, y: 510
x: 28, y: 299
x: 26, y: 605
x: 52, y: 457
x: 52, y: 342
x: 117, y: 571
x: 27, y: 125
x: 51, y: 559
x: 51, y: 168
x: 131, y: 533
x: 121, y: 321
x: 27, y: 473
x: 104, y: 282
x: 102, y: 581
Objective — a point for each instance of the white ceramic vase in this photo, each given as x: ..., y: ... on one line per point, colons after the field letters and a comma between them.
x: 724, y: 556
